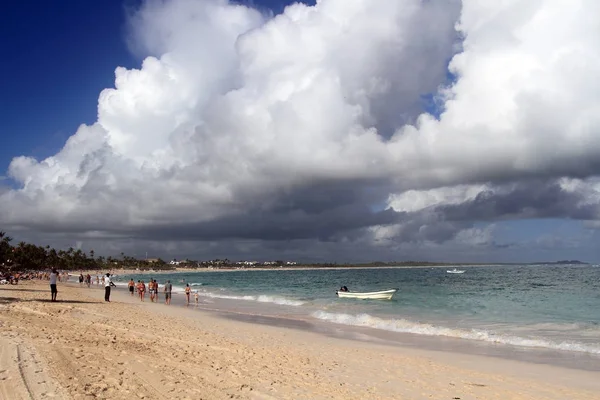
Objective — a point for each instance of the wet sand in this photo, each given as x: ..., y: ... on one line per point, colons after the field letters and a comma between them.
x: 82, y: 347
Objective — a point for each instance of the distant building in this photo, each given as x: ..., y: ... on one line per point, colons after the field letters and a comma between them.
x: 247, y: 263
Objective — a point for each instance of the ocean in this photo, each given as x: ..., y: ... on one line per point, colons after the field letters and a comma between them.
x: 523, y: 308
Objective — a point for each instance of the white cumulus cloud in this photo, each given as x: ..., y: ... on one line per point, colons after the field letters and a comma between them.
x: 302, y: 125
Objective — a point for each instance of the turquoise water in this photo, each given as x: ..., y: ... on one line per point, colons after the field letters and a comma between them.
x: 554, y: 307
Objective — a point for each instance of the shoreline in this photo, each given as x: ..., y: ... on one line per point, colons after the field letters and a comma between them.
x: 230, y: 309
x: 562, y: 351
x: 116, y: 350
x: 394, y: 322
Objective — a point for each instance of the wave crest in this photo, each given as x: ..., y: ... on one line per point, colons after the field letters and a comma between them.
x: 263, y: 298
x: 406, y: 326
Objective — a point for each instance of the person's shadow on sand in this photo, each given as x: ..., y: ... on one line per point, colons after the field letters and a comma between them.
x: 25, y: 290
x: 66, y: 301
x: 8, y: 300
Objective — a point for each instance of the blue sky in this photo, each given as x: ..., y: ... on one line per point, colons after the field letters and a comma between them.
x: 57, y: 59
x: 55, y: 62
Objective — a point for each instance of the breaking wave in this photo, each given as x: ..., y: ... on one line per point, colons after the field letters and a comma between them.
x: 263, y: 298
x: 406, y: 326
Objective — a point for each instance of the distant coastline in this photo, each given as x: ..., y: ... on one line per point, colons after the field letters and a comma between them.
x: 133, y: 271
x: 562, y: 262
x: 28, y: 257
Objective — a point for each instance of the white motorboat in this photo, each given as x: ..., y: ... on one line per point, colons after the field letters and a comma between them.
x: 456, y: 271
x: 381, y: 295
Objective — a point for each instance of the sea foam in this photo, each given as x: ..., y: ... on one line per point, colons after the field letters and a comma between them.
x: 263, y: 298
x: 406, y: 326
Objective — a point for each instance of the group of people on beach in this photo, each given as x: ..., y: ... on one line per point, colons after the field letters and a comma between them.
x: 153, y: 288
x: 87, y: 280
x: 54, y: 277
x: 140, y: 287
x: 9, y: 279
x: 14, y: 278
x: 188, y: 290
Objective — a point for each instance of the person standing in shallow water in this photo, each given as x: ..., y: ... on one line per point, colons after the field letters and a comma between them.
x: 168, y: 290
x: 131, y: 286
x: 53, y: 288
x: 107, y: 284
x: 187, y: 292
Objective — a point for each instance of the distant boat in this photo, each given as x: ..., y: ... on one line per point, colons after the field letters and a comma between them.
x: 455, y: 271
x: 381, y: 295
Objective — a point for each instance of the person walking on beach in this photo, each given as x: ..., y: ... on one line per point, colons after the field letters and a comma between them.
x: 196, y: 296
x: 151, y: 290
x: 168, y: 289
x: 142, y: 290
x: 131, y: 286
x: 53, y: 289
x: 155, y: 291
x: 107, y: 284
x: 80, y: 279
x: 187, y: 293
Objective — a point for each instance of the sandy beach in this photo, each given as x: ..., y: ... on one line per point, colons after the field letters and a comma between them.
x: 83, y: 348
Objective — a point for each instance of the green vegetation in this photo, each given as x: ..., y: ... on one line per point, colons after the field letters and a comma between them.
x: 29, y: 257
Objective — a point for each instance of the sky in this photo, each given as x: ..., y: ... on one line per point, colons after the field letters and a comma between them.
x: 341, y: 131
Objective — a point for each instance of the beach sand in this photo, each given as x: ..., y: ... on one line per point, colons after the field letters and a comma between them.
x: 84, y: 348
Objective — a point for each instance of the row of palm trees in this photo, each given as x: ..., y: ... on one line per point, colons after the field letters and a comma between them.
x: 30, y: 257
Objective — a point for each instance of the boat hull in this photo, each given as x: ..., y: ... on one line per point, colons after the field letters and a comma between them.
x: 381, y: 295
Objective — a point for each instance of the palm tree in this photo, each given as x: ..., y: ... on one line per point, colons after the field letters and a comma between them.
x: 27, y: 256
x: 6, y: 251
x: 53, y: 258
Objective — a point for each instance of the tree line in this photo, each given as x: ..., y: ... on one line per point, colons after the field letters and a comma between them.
x: 30, y: 257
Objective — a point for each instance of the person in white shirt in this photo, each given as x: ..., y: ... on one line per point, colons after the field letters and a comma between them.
x: 53, y: 279
x: 107, y: 284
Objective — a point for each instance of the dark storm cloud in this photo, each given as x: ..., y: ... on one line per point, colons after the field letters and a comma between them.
x: 322, y: 215
x: 528, y: 199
